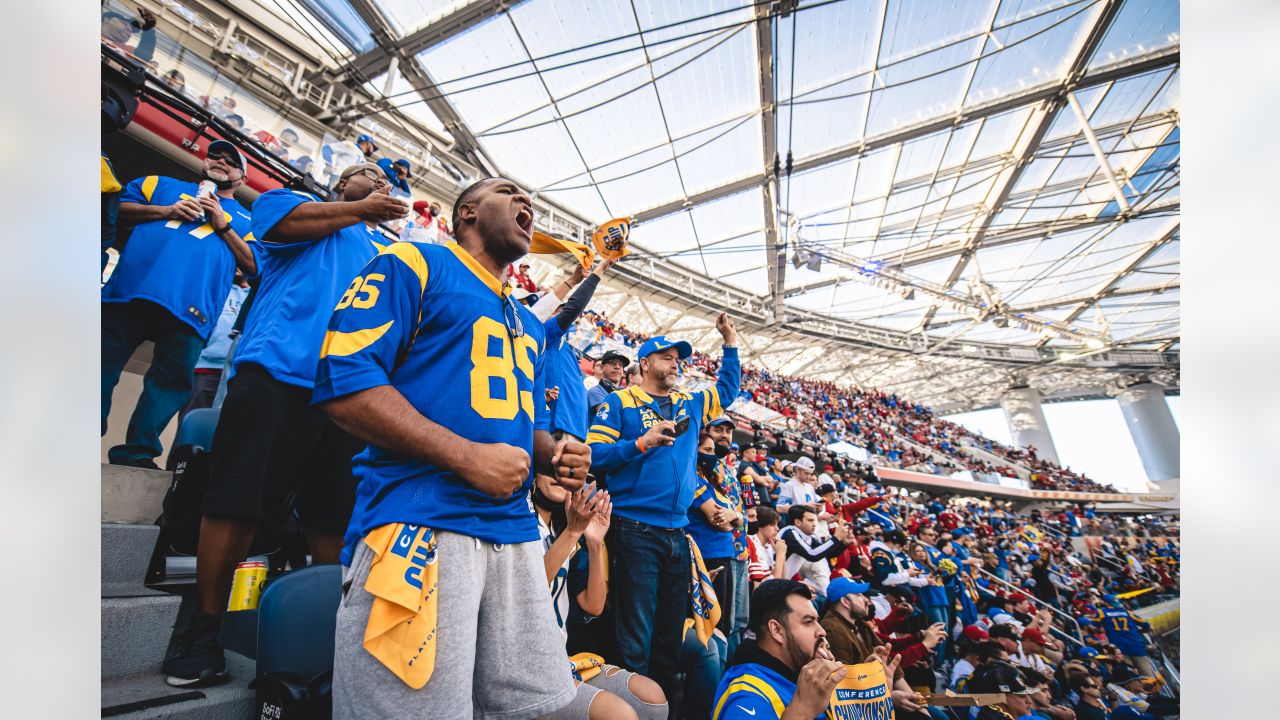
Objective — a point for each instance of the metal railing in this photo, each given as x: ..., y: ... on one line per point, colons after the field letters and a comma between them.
x: 1079, y: 636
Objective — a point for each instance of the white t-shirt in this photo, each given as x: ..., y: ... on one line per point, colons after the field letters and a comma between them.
x: 559, y: 598
x: 963, y: 669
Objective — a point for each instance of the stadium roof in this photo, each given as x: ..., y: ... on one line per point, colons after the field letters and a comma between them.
x: 979, y: 193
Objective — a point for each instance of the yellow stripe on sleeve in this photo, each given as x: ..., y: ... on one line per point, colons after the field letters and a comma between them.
x: 109, y: 182
x: 597, y: 438
x: 606, y: 430
x: 149, y: 186
x: 342, y: 344
x: 411, y: 256
x: 753, y: 685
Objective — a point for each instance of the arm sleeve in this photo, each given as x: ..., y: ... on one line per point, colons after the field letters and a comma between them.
x: 545, y: 306
x: 609, y: 451
x: 146, y: 45
x: 272, y: 207
x: 577, y: 302
x: 373, y: 327
x: 727, y: 381
x: 743, y: 702
x: 542, y: 413
x: 796, y: 546
x: 140, y: 190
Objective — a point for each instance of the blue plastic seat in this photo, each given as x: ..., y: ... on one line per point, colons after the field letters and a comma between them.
x: 197, y: 429
x: 297, y: 617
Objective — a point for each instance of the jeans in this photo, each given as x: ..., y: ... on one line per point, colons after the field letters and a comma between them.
x: 167, y: 385
x: 741, y: 603
x: 650, y: 574
x: 939, y: 614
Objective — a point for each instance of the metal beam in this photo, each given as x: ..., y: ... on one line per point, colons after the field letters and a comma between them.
x: 1150, y: 250
x: 1070, y: 81
x: 775, y: 261
x: 374, y: 62
x: 802, y: 289
x: 1115, y: 71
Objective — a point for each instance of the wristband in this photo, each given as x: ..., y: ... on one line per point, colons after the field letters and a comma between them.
x: 640, y: 445
x: 223, y: 232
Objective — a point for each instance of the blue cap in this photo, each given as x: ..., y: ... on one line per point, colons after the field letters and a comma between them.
x: 734, y: 447
x: 723, y: 420
x: 228, y: 147
x: 405, y: 164
x: 366, y: 138
x: 1088, y: 652
x: 842, y: 586
x: 662, y: 342
x: 1111, y: 599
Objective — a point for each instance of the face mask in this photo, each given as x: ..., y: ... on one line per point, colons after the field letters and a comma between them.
x: 707, y: 462
x: 753, y: 527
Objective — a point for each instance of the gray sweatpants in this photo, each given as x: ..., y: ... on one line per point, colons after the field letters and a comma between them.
x: 499, y: 653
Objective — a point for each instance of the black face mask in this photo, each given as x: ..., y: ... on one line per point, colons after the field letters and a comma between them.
x: 721, y: 450
x: 707, y: 463
x: 543, y: 502
x: 753, y: 527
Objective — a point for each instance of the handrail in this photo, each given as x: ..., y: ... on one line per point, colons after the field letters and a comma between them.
x: 1078, y: 639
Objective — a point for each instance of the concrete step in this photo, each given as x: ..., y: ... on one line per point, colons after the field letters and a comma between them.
x: 148, y: 697
x: 136, y: 631
x: 132, y: 495
x: 126, y: 552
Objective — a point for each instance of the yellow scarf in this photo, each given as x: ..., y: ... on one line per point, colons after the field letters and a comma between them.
x: 404, y: 580
x: 702, y: 594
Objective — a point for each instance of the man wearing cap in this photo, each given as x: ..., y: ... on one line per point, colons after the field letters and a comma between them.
x: 398, y: 175
x: 365, y: 143
x: 645, y: 437
x: 520, y: 278
x: 889, y: 560
x: 612, y: 364
x: 802, y: 490
x: 996, y: 676
x: 169, y: 287
x: 271, y: 447
x: 850, y: 624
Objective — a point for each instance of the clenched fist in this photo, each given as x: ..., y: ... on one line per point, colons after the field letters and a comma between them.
x: 499, y: 470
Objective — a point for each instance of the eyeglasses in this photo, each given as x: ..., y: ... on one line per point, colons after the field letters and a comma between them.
x: 374, y: 175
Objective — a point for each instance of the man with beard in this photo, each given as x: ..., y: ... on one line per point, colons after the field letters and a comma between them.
x: 788, y: 671
x: 443, y: 553
x: 169, y: 287
x: 611, y: 366
x: 849, y: 622
x: 271, y: 448
x: 646, y: 437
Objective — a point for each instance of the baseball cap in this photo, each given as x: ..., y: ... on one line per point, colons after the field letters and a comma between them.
x: 826, y: 488
x: 1003, y: 630
x: 975, y: 633
x: 520, y: 294
x: 405, y: 164
x: 227, y: 147
x: 734, y: 447
x: 804, y: 463
x: 722, y: 420
x: 662, y: 342
x: 615, y: 355
x: 1088, y: 652
x: 996, y: 676
x: 827, y: 467
x: 842, y: 586
x: 1034, y: 636
x: 366, y: 138
x: 1018, y: 597
x: 1124, y: 674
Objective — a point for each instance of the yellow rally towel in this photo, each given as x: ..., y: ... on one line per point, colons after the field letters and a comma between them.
x: 544, y: 244
x: 585, y: 666
x: 404, y: 580
x: 862, y: 694
x: 702, y: 595
x: 1134, y: 593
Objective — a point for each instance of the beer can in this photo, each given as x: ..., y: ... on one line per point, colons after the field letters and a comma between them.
x: 246, y: 586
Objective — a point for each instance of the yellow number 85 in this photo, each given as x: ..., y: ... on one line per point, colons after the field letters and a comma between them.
x: 360, y: 285
x: 485, y: 367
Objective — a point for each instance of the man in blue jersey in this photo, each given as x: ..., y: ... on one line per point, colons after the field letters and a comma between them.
x: 652, y: 478
x: 1124, y: 630
x: 564, y: 374
x: 169, y: 287
x: 442, y: 374
x: 788, y: 670
x: 272, y: 450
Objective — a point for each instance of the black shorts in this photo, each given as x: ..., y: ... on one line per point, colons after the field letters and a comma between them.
x: 273, y: 451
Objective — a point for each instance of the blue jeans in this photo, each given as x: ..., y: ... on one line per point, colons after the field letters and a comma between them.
x: 741, y: 603
x: 167, y: 385
x: 650, y: 588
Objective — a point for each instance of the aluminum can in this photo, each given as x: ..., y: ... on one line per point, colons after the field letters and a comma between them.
x: 246, y: 586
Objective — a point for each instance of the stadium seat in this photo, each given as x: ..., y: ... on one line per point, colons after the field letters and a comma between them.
x: 296, y: 620
x: 197, y: 429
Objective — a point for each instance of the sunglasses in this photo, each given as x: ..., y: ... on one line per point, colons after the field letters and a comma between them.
x: 225, y: 157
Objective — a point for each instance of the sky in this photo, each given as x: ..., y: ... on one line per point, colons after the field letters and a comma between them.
x: 1091, y: 437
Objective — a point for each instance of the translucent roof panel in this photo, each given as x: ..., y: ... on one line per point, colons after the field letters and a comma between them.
x: 913, y: 122
x: 407, y: 16
x: 338, y: 18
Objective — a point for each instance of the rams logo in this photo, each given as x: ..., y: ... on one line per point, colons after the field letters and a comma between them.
x: 602, y: 412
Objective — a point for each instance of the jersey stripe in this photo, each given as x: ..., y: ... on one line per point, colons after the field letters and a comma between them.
x: 412, y: 257
x: 476, y: 268
x: 342, y: 344
x: 605, y: 429
x: 595, y: 437
x: 751, y: 684
x: 149, y: 186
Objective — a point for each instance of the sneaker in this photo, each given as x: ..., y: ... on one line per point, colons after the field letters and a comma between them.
x: 141, y: 462
x: 197, y: 660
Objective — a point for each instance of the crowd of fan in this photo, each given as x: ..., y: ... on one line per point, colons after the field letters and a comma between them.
x: 824, y: 413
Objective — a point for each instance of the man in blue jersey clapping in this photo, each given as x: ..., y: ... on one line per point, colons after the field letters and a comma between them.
x: 646, y: 438
x: 441, y: 372
x: 272, y: 450
x: 169, y: 287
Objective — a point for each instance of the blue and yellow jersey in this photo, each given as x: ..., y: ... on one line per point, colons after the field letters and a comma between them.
x: 301, y: 283
x: 750, y: 692
x: 1124, y: 629
x: 656, y: 487
x: 733, y: 491
x: 181, y: 266
x: 431, y: 322
x: 712, y: 543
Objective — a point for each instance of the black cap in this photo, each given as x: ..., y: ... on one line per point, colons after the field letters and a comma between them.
x: 826, y: 488
x: 615, y: 355
x: 1003, y: 630
x: 897, y: 537
x: 997, y: 676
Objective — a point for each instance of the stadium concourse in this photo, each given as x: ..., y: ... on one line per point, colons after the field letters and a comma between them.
x: 411, y: 310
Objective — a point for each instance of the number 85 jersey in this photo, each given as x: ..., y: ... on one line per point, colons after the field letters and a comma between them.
x: 433, y: 323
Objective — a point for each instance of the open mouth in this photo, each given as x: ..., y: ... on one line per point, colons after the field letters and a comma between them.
x: 524, y: 218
